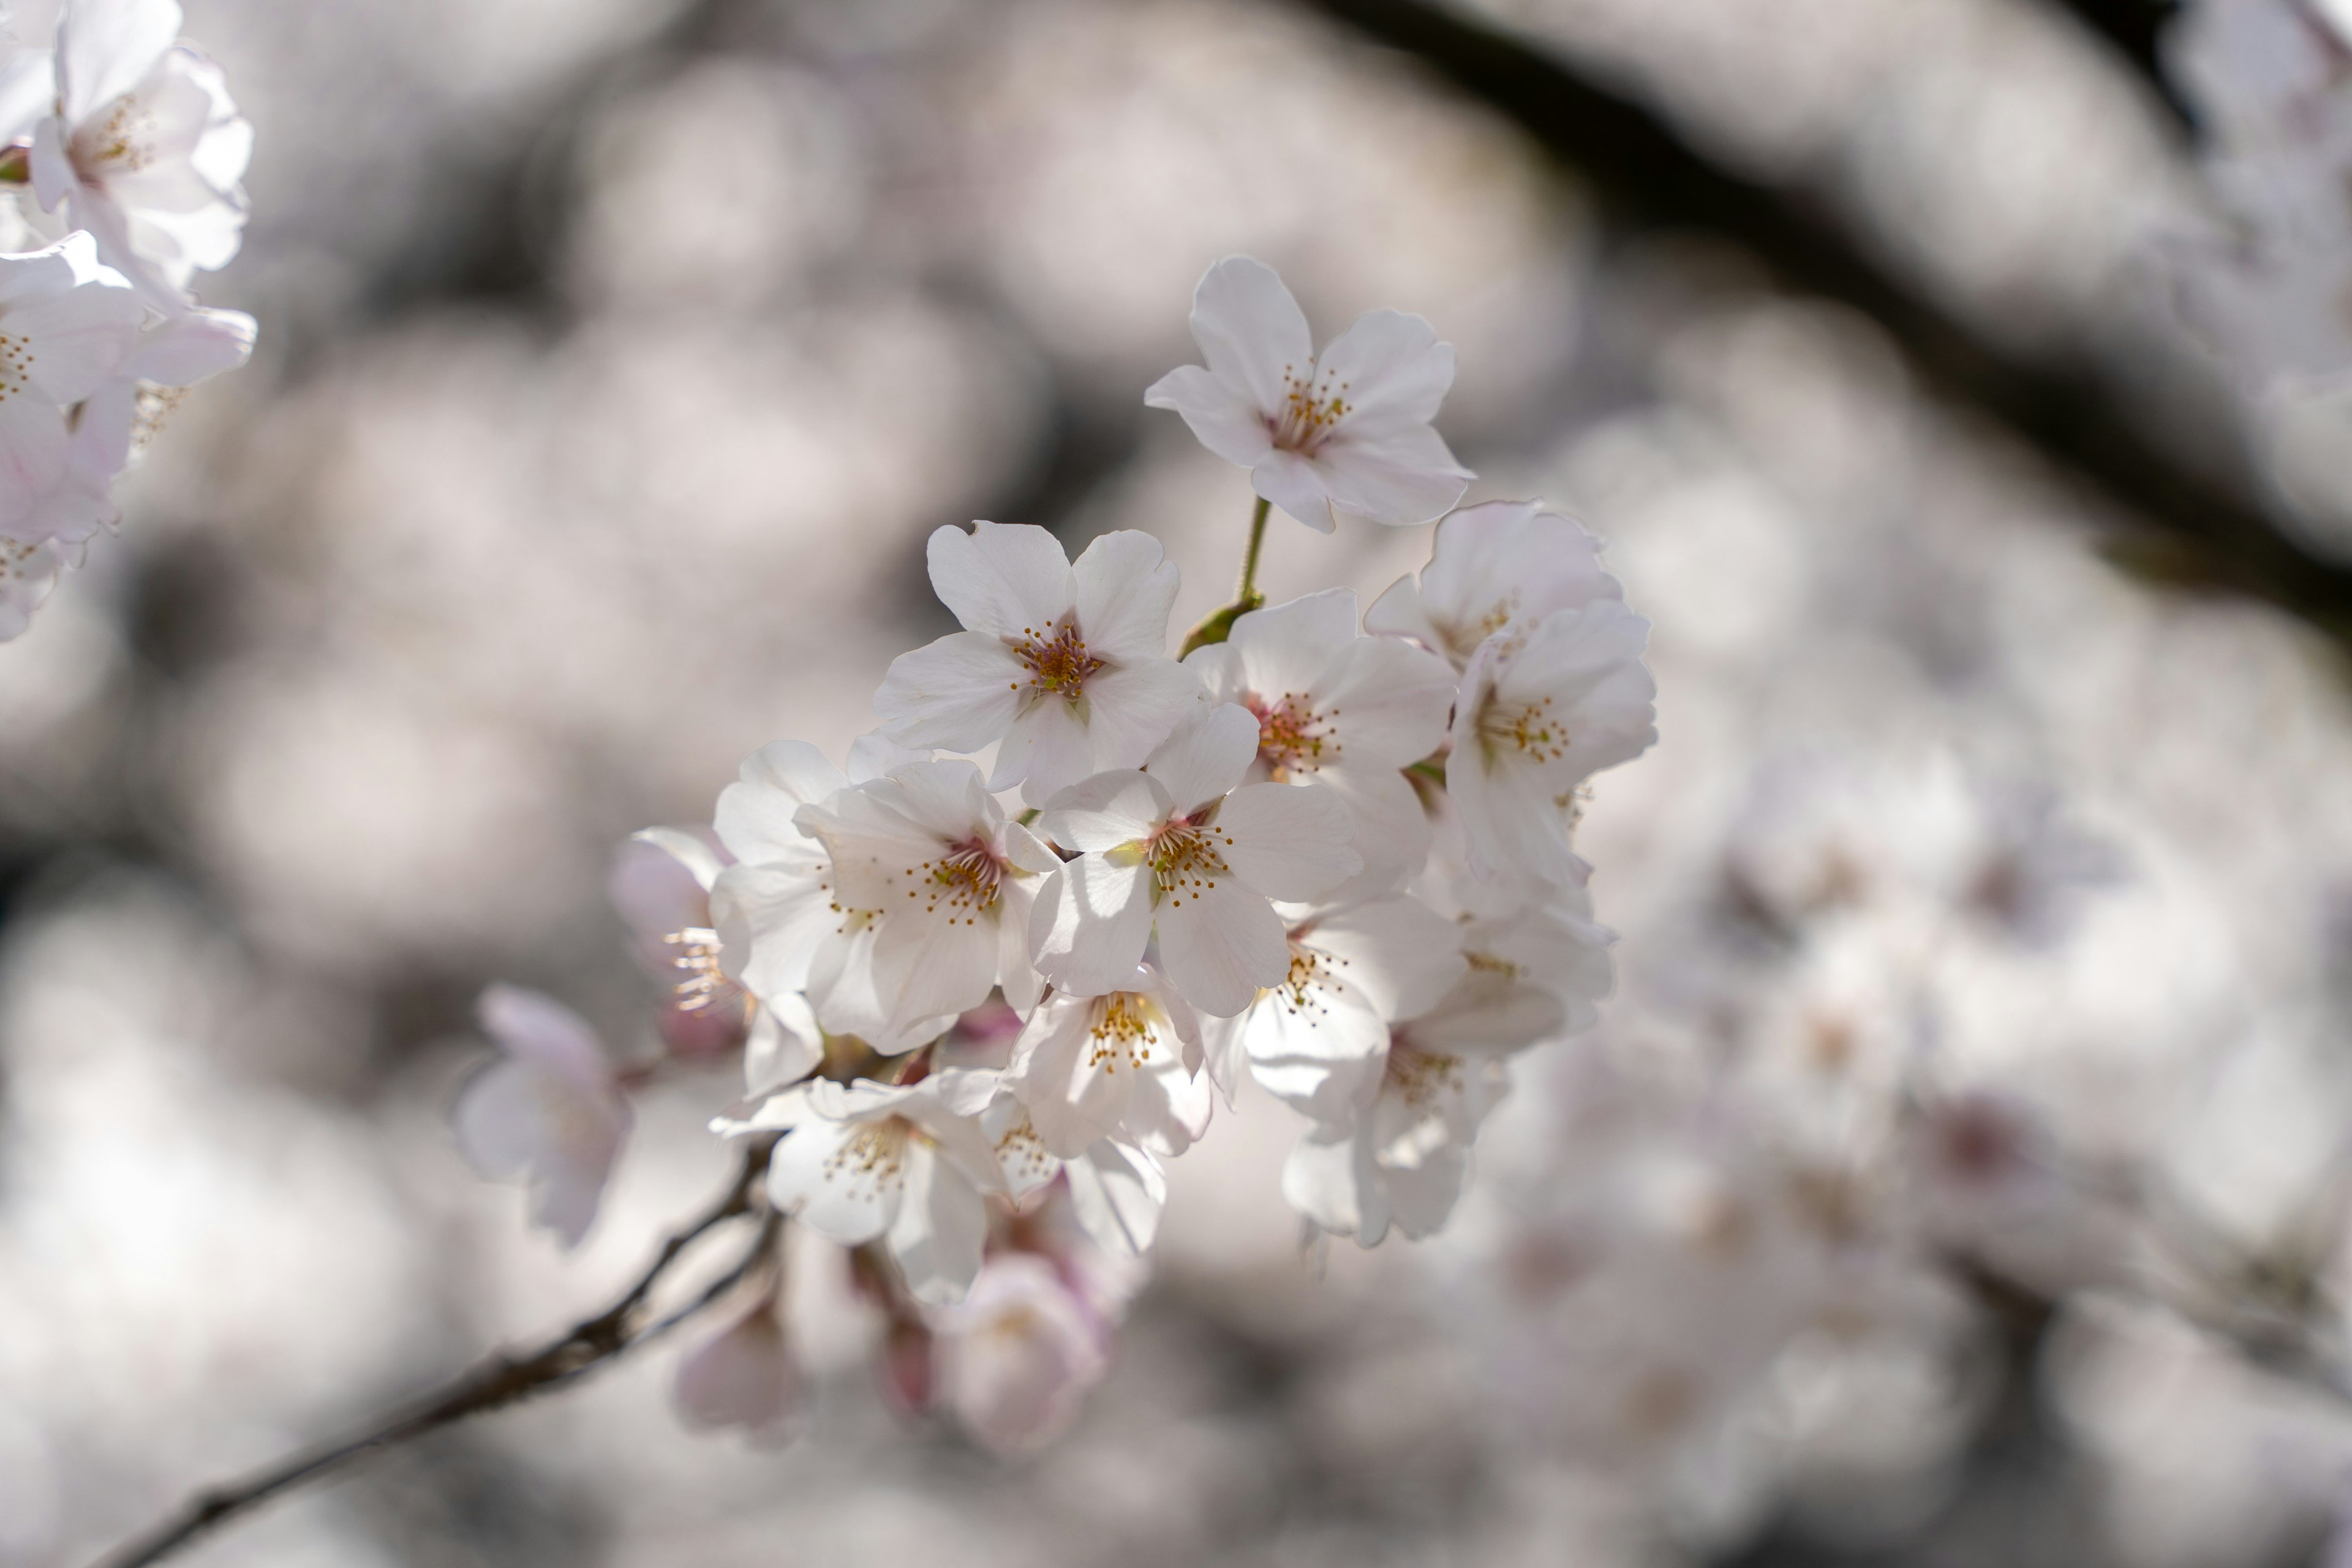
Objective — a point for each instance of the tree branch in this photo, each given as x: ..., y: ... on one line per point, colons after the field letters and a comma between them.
x: 502, y: 1380
x: 2201, y: 531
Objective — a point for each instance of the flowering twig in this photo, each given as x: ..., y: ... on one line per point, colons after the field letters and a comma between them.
x: 1219, y: 625
x: 503, y: 1379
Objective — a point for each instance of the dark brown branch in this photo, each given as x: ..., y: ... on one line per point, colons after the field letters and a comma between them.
x: 2201, y: 531
x: 503, y: 1379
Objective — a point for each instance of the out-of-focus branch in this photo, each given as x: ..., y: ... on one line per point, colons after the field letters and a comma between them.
x: 504, y: 1379
x: 2201, y: 532
x: 2135, y: 28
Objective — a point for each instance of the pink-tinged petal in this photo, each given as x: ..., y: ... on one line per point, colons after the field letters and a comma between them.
x: 1296, y: 486
x: 1006, y: 581
x: 1091, y: 921
x: 1220, y: 945
x: 568, y: 1186
x: 843, y: 1179
x: 672, y: 888
x: 1132, y: 709
x: 106, y: 47
x: 1288, y: 841
x: 1224, y: 421
x: 1390, y: 368
x: 940, y: 1229
x: 1393, y: 701
x: 1506, y: 562
x: 1403, y: 477
x: 33, y: 446
x: 1106, y: 811
x: 535, y: 1028
x: 1251, y: 332
x: 958, y: 694
x: 1334, y: 1182
x: 192, y: 347
x: 1401, y: 953
x: 1207, y: 753
x: 741, y: 1376
x: 496, y: 1120
x: 1016, y: 1358
x: 1126, y: 585
x: 1294, y: 649
x: 772, y: 922
x: 75, y: 339
x: 1117, y: 1192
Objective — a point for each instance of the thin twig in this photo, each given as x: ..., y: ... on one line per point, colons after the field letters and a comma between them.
x: 503, y: 1379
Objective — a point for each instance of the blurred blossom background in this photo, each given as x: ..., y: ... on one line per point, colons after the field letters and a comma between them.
x: 616, y: 360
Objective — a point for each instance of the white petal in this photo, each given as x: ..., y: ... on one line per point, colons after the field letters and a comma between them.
x: 76, y: 338
x: 1401, y: 953
x: 940, y: 1229
x: 32, y: 462
x: 773, y: 920
x: 1296, y: 485
x: 1393, y: 701
x: 1125, y: 585
x: 1391, y: 833
x: 1133, y: 710
x: 1390, y: 368
x: 534, y: 1027
x: 1090, y: 925
x: 496, y: 1120
x: 1400, y: 612
x: 1008, y: 582
x: 1220, y: 945
x: 784, y: 1046
x: 958, y: 694
x: 755, y: 818
x: 1207, y: 753
x: 1294, y: 649
x: 1288, y: 841
x: 1106, y: 811
x: 1334, y: 1181
x: 1486, y: 1016
x: 194, y: 347
x: 699, y: 860
x: 843, y: 1179
x: 1117, y: 1192
x: 928, y: 965
x: 106, y: 48
x: 1403, y: 477
x: 1224, y: 421
x: 1319, y: 1049
x: 1251, y: 331
x: 1048, y: 748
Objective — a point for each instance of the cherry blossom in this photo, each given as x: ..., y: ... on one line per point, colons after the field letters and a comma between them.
x: 1539, y: 711
x: 1063, y: 667
x: 1497, y: 565
x: 1318, y: 1040
x: 27, y: 572
x: 1399, y: 1158
x: 143, y: 149
x: 743, y: 1376
x: 1345, y: 431
x: 1017, y: 1356
x: 1183, y: 847
x: 1123, y: 1065
x: 170, y: 356
x: 548, y: 1110
x: 906, y: 1165
x: 69, y: 326
x: 1339, y: 710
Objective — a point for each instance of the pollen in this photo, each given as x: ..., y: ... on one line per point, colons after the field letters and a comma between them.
x: 122, y: 144
x: 1310, y: 971
x: 1187, y: 859
x: 1022, y: 1153
x: 1291, y: 736
x: 1420, y: 1077
x: 873, y: 1158
x: 963, y: 881
x: 1057, y: 661
x: 15, y: 365
x: 1528, y: 727
x: 1126, y: 1026
x: 1312, y: 406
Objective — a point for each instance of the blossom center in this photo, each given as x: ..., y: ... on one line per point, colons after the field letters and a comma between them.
x: 1125, y: 1025
x: 1186, y: 858
x: 963, y: 881
x: 1291, y: 736
x: 1528, y: 727
x: 1310, y: 971
x: 1417, y: 1077
x: 1312, y: 406
x: 120, y: 143
x: 1057, y: 664
x: 873, y: 1158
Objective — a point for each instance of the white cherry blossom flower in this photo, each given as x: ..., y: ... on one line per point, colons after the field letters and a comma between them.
x: 1401, y: 1159
x: 1493, y: 566
x: 144, y: 148
x: 923, y: 863
x: 67, y: 327
x: 1116, y: 1188
x: 743, y: 1376
x: 170, y: 356
x: 1064, y: 668
x: 1178, y: 848
x: 1342, y: 710
x: 1347, y: 430
x: 548, y: 1111
x: 1540, y: 710
x: 27, y: 572
x: 906, y: 1165
x: 1123, y: 1065
x: 1015, y: 1359
x: 1318, y: 1040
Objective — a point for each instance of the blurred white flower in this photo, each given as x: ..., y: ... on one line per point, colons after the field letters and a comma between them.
x: 144, y: 148
x: 1342, y: 710
x: 1064, y: 668
x: 1494, y: 566
x: 1017, y: 1356
x: 1318, y: 1040
x: 1124, y: 1065
x: 1347, y: 430
x: 906, y: 1165
x: 548, y: 1111
x: 1401, y: 1159
x: 27, y: 572
x: 1177, y: 846
x: 1541, y: 709
x: 923, y: 863
x: 170, y: 356
x: 742, y: 1375
x: 68, y: 326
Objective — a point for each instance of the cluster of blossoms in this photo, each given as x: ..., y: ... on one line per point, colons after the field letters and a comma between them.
x: 122, y: 154
x: 2272, y: 83
x: 991, y: 972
